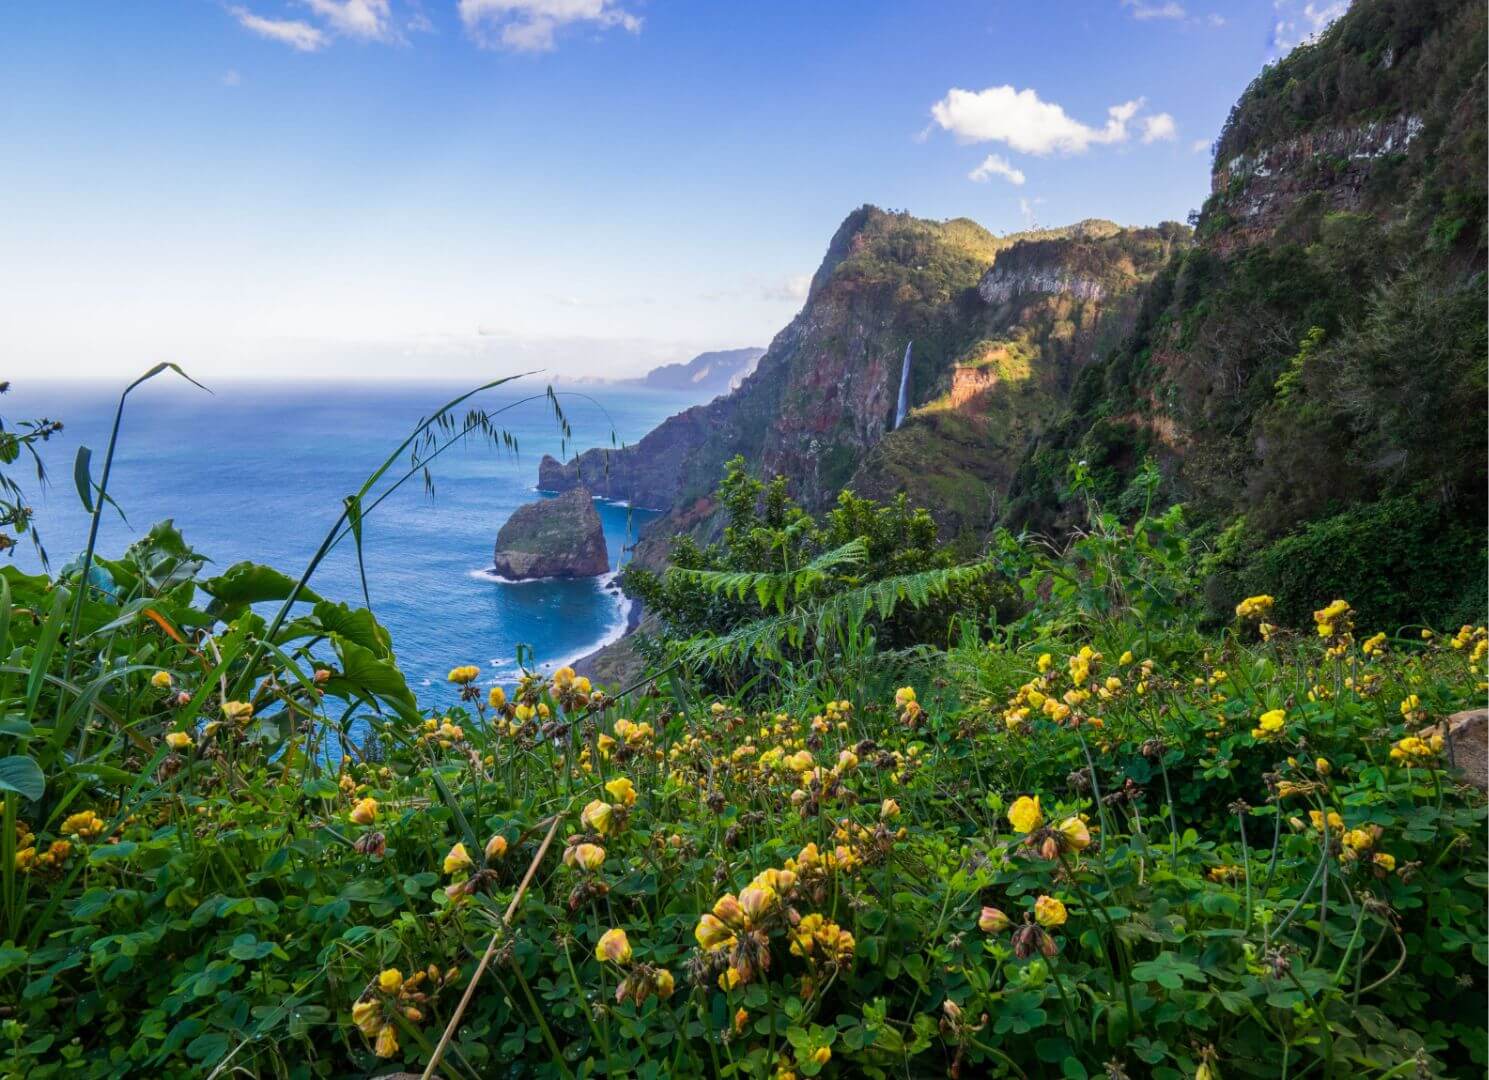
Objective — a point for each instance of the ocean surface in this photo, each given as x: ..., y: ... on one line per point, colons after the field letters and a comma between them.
x: 258, y: 472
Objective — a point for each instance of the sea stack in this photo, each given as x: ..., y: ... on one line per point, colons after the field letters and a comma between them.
x: 559, y: 537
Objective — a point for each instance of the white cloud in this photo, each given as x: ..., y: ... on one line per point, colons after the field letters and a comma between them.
x: 1026, y: 208
x: 532, y: 25
x: 1299, y: 24
x: 1027, y: 124
x: 1199, y: 146
x: 365, y: 20
x: 1142, y: 10
x: 994, y: 165
x: 292, y: 32
x: 792, y: 290
x: 1159, y: 126
x: 231, y: 78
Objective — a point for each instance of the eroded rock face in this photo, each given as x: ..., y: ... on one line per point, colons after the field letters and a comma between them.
x: 1467, y: 735
x: 559, y: 537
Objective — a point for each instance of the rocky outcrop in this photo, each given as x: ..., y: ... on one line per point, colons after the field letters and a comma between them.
x: 1467, y: 737
x: 1331, y: 166
x: 998, y: 285
x: 559, y: 537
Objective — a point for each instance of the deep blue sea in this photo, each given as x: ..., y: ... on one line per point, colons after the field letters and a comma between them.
x: 258, y: 472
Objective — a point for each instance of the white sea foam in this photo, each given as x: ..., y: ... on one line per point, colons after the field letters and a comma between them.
x: 507, y: 670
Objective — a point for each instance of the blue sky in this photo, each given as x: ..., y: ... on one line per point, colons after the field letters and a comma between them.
x: 364, y: 187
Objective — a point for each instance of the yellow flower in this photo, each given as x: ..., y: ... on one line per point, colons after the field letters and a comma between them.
x: 387, y: 1042
x: 1254, y: 607
x: 458, y: 859
x: 889, y: 809
x: 1385, y: 861
x: 756, y: 901
x: 239, y: 712
x: 161, y: 680
x: 1323, y: 766
x: 1358, y: 839
x: 614, y: 947
x: 469, y: 673
x: 496, y: 697
x: 992, y: 921
x: 585, y: 857
x: 1076, y: 833
x: 598, y: 816
x: 1410, y: 704
x: 85, y: 825
x: 1045, y: 662
x: 712, y: 934
x: 1270, y: 724
x: 496, y: 847
x: 178, y: 740
x: 822, y: 1055
x: 1025, y: 814
x: 1049, y: 912
x: 622, y: 791
x: 390, y: 980
x: 365, y: 812
x: 367, y: 1015
x: 1125, y: 658
x: 903, y: 696
x: 663, y: 983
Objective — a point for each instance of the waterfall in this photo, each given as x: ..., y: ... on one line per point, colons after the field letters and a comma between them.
x: 904, y: 403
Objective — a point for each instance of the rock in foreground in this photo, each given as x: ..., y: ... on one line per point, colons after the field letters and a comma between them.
x: 559, y: 537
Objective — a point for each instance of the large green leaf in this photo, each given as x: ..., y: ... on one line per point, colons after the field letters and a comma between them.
x: 355, y: 624
x: 248, y: 583
x: 365, y: 674
x: 22, y: 775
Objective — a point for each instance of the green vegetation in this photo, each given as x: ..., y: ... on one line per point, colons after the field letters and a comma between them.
x: 876, y: 814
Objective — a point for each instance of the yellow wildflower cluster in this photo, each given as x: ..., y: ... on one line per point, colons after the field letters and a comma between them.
x: 1335, y: 624
x: 909, y: 709
x: 607, y: 818
x: 1254, y: 607
x: 1270, y: 725
x: 464, y: 675
x: 641, y: 981
x: 31, y: 860
x: 85, y: 825
x: 1417, y: 750
x: 442, y: 733
x: 570, y: 690
x: 391, y: 995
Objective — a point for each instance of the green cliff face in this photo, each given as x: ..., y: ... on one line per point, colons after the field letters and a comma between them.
x: 821, y: 401
x: 1308, y: 365
x: 1313, y: 368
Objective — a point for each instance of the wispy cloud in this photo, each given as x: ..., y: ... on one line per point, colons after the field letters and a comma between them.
x: 298, y: 35
x: 1298, y: 23
x: 1199, y: 146
x: 1024, y: 122
x: 1159, y: 126
x: 534, y: 25
x: 792, y: 290
x: 1140, y: 9
x: 996, y: 165
x: 364, y: 20
x: 231, y: 78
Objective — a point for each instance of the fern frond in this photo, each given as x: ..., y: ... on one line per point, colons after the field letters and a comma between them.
x: 776, y: 589
x: 767, y: 638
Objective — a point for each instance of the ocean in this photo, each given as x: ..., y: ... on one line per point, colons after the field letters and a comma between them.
x: 258, y: 472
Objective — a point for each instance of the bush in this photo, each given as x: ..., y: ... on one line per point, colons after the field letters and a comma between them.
x: 1411, y: 562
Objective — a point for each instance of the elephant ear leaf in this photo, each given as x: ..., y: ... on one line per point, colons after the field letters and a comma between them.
x: 247, y: 583
x: 355, y: 624
x: 22, y: 775
x: 367, y: 676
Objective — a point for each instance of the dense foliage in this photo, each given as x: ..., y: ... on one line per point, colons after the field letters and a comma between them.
x: 1090, y: 839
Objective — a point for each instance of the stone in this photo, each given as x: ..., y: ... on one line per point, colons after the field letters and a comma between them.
x: 1467, y: 736
x: 560, y: 537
